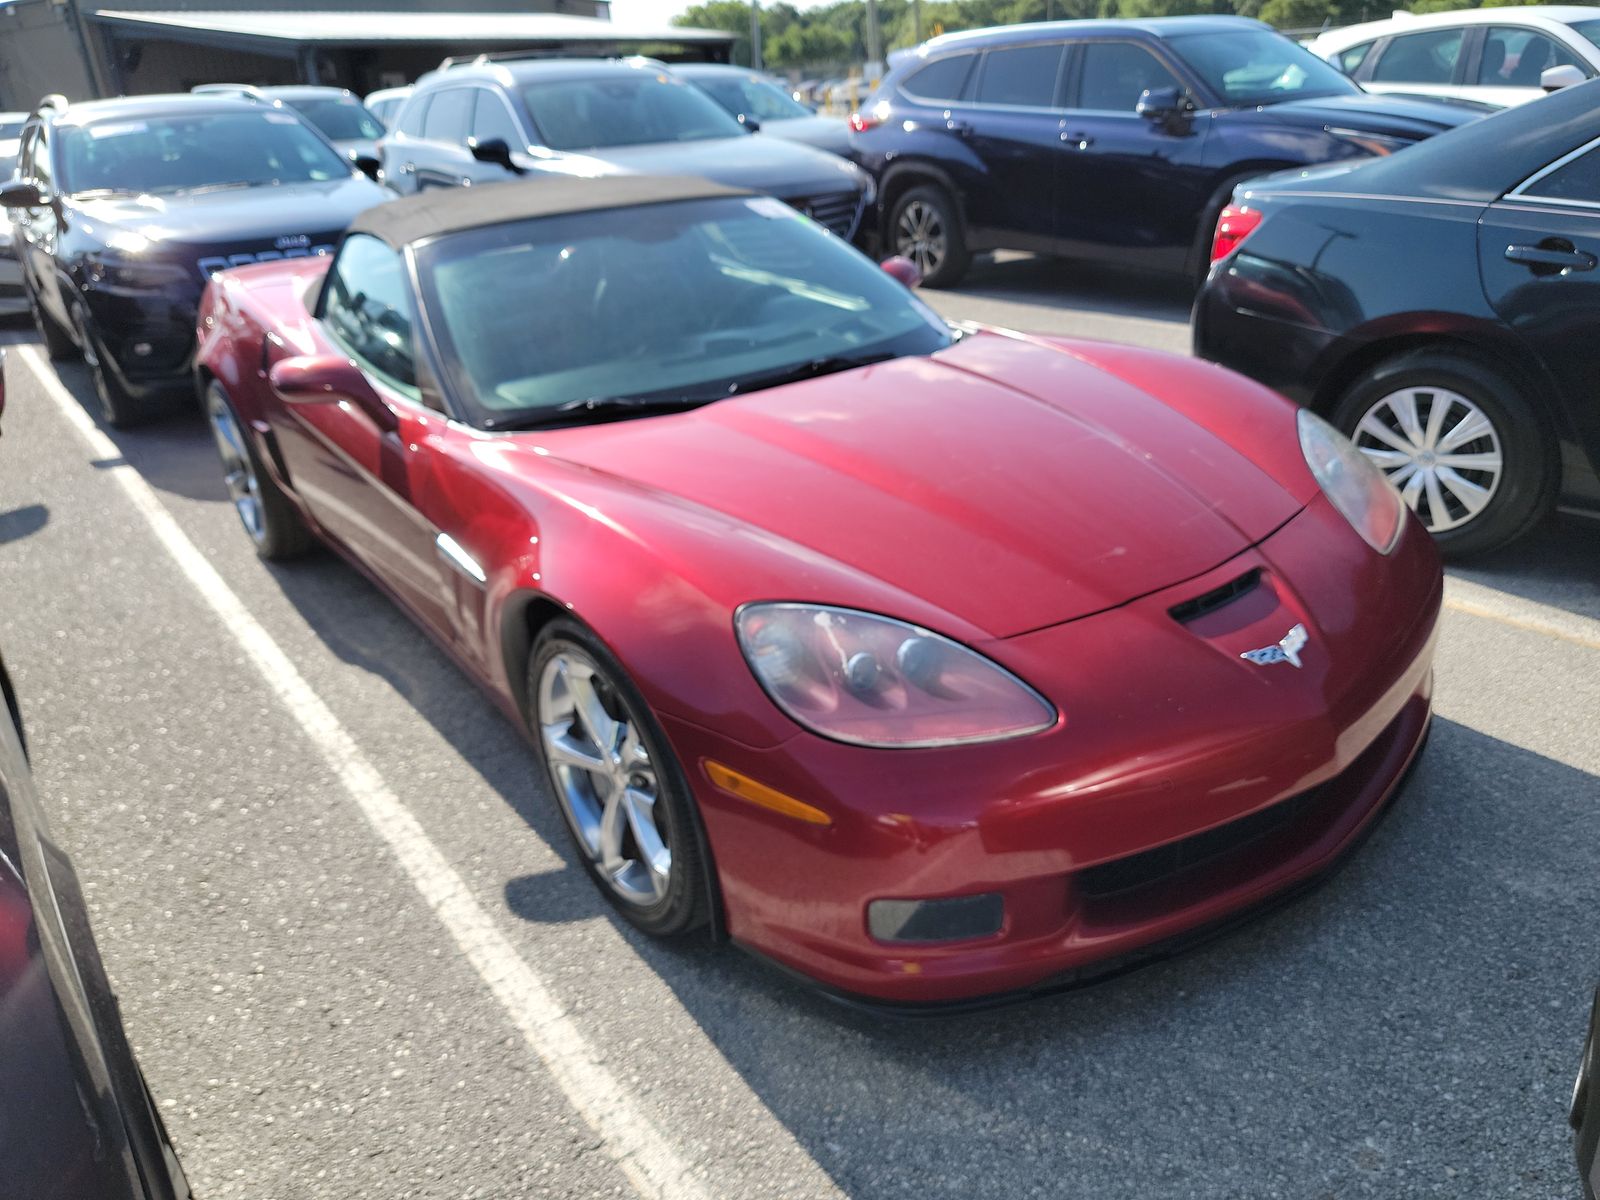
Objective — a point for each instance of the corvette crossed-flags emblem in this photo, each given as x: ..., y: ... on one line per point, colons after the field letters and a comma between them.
x: 1287, y: 650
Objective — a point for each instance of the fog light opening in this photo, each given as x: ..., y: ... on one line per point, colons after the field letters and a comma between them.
x: 951, y: 919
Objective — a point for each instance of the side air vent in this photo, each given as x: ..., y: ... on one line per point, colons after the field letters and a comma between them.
x: 1209, y: 602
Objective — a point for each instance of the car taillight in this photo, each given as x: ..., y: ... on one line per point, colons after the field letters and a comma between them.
x: 860, y: 122
x: 1235, y: 223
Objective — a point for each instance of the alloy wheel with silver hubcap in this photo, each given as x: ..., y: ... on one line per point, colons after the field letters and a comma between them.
x: 920, y: 235
x: 238, y: 472
x: 1439, y: 448
x: 604, y: 778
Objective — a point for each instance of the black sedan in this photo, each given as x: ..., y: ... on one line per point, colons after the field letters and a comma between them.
x: 76, y: 1120
x: 1441, y: 307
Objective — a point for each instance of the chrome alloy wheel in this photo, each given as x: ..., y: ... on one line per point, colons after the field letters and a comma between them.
x: 237, y: 470
x: 1439, y: 449
x: 603, y: 777
x: 920, y: 236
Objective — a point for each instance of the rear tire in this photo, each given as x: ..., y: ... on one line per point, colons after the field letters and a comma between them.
x: 1468, y: 449
x: 925, y: 226
x: 269, y: 518
x: 621, y: 791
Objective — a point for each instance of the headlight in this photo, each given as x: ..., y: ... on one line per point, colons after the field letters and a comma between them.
x: 875, y: 681
x: 1372, y: 143
x: 1348, y: 478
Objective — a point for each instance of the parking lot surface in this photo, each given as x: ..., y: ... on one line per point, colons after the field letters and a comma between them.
x: 356, y: 958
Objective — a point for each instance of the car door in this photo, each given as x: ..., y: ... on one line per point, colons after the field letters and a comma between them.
x: 1129, y: 189
x: 492, y: 120
x: 1430, y: 62
x: 1509, y: 61
x: 441, y: 156
x: 362, y: 481
x: 1539, y: 254
x: 1013, y: 127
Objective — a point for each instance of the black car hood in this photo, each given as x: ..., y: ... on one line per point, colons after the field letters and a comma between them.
x: 1396, y: 116
x: 773, y: 165
x: 825, y: 133
x: 238, y: 215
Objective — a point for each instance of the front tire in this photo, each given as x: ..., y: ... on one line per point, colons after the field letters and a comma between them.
x: 117, y: 408
x: 58, y: 343
x: 1469, y: 451
x: 268, y: 517
x: 925, y: 226
x: 616, y: 781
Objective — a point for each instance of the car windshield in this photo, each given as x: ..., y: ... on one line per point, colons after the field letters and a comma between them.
x: 1256, y: 66
x: 1588, y: 29
x: 343, y: 120
x: 750, y: 95
x: 209, y: 150
x: 624, y: 110
x: 683, y: 302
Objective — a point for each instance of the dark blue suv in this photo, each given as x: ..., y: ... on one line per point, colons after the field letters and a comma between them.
x: 1111, y: 140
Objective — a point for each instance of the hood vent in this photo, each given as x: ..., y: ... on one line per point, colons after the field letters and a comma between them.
x: 1209, y: 602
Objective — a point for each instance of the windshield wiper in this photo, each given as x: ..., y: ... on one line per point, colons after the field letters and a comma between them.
x: 594, y: 409
x: 830, y: 365
x: 216, y: 187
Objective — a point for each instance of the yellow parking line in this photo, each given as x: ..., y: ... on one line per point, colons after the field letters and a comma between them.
x: 1564, y: 628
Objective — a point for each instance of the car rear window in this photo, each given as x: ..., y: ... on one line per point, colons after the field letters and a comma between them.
x: 1023, y: 76
x: 942, y: 79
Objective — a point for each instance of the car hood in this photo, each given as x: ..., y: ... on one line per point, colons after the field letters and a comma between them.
x: 1397, y: 116
x: 241, y: 215
x: 774, y: 165
x: 1009, y: 482
x: 825, y: 133
x: 353, y: 148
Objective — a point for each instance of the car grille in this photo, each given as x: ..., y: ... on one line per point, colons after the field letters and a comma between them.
x: 837, y: 211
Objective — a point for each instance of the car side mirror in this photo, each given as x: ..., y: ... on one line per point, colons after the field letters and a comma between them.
x: 21, y: 193
x: 902, y: 269
x: 494, y: 150
x: 1161, y: 104
x: 750, y: 123
x: 321, y: 378
x: 367, y: 165
x: 1553, y: 79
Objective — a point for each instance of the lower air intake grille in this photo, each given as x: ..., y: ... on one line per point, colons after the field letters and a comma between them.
x: 837, y: 211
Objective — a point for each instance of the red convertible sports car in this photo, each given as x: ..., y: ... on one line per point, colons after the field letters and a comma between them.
x: 932, y: 663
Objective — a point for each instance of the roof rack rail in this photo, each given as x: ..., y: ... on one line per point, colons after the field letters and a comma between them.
x: 244, y: 91
x: 488, y: 58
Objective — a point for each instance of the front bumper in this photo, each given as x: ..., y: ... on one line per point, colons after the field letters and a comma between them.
x: 1183, y: 786
x: 146, y: 338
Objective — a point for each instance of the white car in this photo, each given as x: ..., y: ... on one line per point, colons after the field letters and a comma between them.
x: 1500, y: 56
x: 385, y: 104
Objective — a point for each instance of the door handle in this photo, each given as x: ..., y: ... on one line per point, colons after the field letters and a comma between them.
x: 1551, y: 256
x: 408, y: 168
x: 960, y: 128
x: 1080, y: 140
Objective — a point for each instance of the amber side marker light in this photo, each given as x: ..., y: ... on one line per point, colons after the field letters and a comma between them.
x: 760, y: 794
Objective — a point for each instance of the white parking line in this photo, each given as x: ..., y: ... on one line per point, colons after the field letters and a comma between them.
x: 644, y: 1155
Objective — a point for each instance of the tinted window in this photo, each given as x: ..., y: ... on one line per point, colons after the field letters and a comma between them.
x: 1420, y: 58
x: 631, y: 109
x: 413, y: 116
x: 1114, y: 73
x: 1577, y: 180
x: 1022, y: 75
x: 527, y: 313
x: 209, y: 150
x: 940, y: 80
x: 343, y: 120
x: 749, y: 95
x: 367, y: 307
x: 1517, y: 57
x: 449, y: 116
x: 1588, y: 29
x: 1257, y: 66
x: 491, y: 119
x: 1350, y: 60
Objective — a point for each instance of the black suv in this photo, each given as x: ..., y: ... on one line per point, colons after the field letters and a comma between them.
x: 491, y: 121
x: 1111, y: 140
x: 124, y: 208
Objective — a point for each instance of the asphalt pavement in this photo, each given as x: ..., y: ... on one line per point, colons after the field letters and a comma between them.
x: 357, y: 959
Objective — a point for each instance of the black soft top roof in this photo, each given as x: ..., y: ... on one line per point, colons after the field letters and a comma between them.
x: 451, y: 210
x: 1485, y: 159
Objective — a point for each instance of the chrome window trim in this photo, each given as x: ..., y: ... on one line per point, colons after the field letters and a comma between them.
x: 1518, y: 192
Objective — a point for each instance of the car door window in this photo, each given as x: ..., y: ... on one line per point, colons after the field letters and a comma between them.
x: 1517, y: 57
x: 367, y: 309
x: 1349, y: 61
x: 1420, y: 58
x: 942, y: 79
x: 1021, y: 76
x: 1577, y: 180
x: 1115, y: 73
x: 413, y: 116
x: 492, y: 119
x: 449, y: 116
